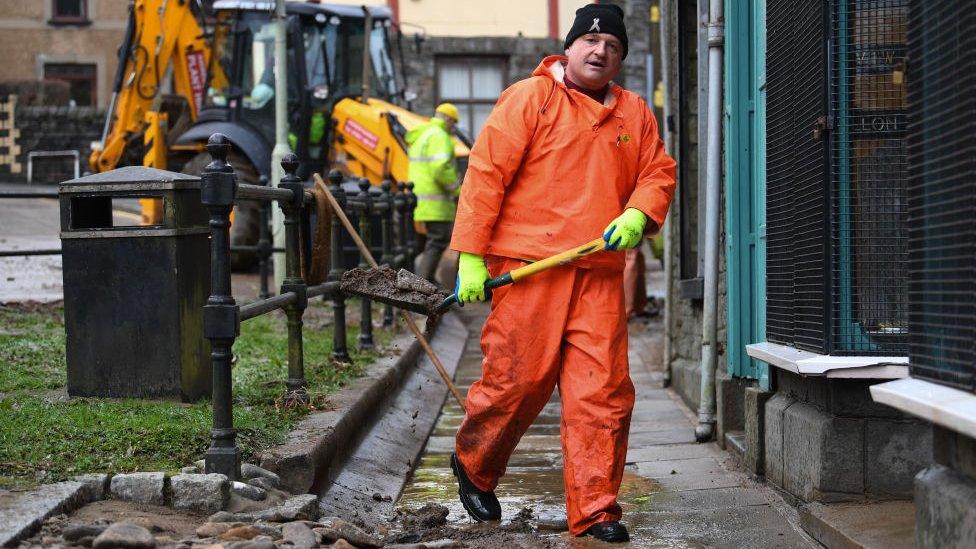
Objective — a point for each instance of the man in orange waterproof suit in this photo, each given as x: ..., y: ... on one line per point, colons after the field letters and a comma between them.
x: 562, y: 154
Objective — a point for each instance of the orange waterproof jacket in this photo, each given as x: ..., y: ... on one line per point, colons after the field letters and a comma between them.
x: 552, y: 168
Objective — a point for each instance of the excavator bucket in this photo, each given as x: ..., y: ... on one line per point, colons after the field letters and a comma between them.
x: 401, y: 288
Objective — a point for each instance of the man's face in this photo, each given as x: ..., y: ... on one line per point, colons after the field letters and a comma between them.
x: 594, y: 60
x: 449, y: 123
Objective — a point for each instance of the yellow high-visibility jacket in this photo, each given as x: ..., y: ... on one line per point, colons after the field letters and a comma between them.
x: 431, y: 152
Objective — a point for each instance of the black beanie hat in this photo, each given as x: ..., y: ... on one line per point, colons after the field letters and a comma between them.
x: 605, y: 18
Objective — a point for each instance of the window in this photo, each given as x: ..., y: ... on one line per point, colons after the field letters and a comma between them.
x: 69, y: 11
x: 80, y: 79
x: 473, y: 84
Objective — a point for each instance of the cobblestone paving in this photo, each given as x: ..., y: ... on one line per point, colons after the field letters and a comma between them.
x: 675, y: 492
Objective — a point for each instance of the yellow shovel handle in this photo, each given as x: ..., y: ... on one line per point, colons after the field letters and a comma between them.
x: 569, y: 256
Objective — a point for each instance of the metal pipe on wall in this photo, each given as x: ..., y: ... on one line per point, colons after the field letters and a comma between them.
x: 666, y: 26
x: 281, y: 147
x: 709, y: 351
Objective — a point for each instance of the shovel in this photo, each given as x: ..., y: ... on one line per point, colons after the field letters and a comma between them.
x: 408, y: 291
x: 562, y: 258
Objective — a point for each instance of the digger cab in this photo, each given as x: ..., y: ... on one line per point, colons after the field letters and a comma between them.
x: 326, y: 44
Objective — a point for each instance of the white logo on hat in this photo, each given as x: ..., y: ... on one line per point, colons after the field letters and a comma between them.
x: 595, y: 26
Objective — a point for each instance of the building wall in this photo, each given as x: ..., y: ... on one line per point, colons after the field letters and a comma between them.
x: 826, y: 440
x: 479, y: 18
x: 496, y: 18
x: 523, y: 56
x: 474, y: 18
x: 684, y: 313
x: 29, y: 40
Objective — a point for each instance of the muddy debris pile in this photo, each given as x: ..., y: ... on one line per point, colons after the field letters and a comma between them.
x: 150, y: 527
x: 427, y: 526
x: 401, y: 288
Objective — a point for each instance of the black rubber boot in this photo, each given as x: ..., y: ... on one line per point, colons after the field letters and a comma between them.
x: 612, y: 532
x: 480, y: 505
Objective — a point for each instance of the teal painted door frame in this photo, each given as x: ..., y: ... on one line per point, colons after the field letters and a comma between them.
x: 745, y: 190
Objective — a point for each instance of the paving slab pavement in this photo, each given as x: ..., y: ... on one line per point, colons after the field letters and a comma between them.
x: 34, y: 224
x: 675, y: 492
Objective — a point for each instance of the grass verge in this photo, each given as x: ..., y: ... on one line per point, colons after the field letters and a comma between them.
x: 46, y: 437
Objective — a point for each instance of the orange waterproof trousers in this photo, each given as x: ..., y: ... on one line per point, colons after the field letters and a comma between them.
x: 562, y: 327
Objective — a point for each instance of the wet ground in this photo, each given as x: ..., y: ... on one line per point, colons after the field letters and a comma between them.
x: 34, y: 224
x: 675, y: 492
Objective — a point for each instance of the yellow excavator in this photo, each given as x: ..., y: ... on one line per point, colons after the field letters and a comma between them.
x: 186, y: 73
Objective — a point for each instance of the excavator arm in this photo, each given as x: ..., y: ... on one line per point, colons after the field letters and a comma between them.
x: 161, y: 34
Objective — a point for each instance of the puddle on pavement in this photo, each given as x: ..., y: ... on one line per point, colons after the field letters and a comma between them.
x: 534, y: 481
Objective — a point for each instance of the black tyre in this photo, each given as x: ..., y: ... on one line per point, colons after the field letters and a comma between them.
x: 245, y: 230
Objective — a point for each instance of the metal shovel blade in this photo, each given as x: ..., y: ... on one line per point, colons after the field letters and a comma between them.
x: 401, y: 289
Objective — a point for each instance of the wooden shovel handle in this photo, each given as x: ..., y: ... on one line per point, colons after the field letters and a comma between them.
x: 363, y: 249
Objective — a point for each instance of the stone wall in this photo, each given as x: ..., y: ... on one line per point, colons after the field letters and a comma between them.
x: 523, y: 55
x: 634, y: 73
x: 827, y: 440
x: 945, y: 492
x: 44, y: 128
x: 684, y: 327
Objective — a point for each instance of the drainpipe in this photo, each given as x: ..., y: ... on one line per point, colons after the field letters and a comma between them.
x: 709, y: 352
x: 367, y: 52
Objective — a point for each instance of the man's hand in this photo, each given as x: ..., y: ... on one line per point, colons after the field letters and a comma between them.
x: 626, y: 231
x: 472, y: 275
x: 260, y: 95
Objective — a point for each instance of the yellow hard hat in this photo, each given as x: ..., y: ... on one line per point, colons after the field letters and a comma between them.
x: 448, y: 109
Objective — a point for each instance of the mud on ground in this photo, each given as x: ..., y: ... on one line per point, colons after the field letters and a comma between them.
x: 429, y: 524
x: 162, y: 522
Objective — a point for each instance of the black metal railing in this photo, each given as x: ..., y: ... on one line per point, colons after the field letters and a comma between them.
x: 869, y: 242
x: 835, y: 176
x: 942, y: 192
x: 223, y: 316
x: 797, y: 284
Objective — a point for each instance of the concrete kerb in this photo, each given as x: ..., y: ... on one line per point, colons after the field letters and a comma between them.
x: 319, y: 446
x: 23, y: 515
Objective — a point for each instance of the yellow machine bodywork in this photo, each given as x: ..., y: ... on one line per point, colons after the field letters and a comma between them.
x: 366, y: 144
x: 165, y: 34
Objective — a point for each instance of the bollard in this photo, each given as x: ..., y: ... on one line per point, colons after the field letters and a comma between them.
x: 412, y: 251
x: 221, y: 320
x: 293, y: 282
x: 340, y: 350
x: 399, y: 232
x: 264, y: 250
x: 386, y: 224
x: 366, y: 323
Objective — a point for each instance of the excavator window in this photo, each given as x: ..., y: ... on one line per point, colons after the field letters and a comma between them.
x: 345, y: 51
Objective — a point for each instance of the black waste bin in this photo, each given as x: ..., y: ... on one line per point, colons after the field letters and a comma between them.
x: 134, y: 294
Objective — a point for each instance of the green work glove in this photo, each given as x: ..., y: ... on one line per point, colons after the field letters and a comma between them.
x: 626, y: 231
x: 472, y: 275
x: 316, y: 128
